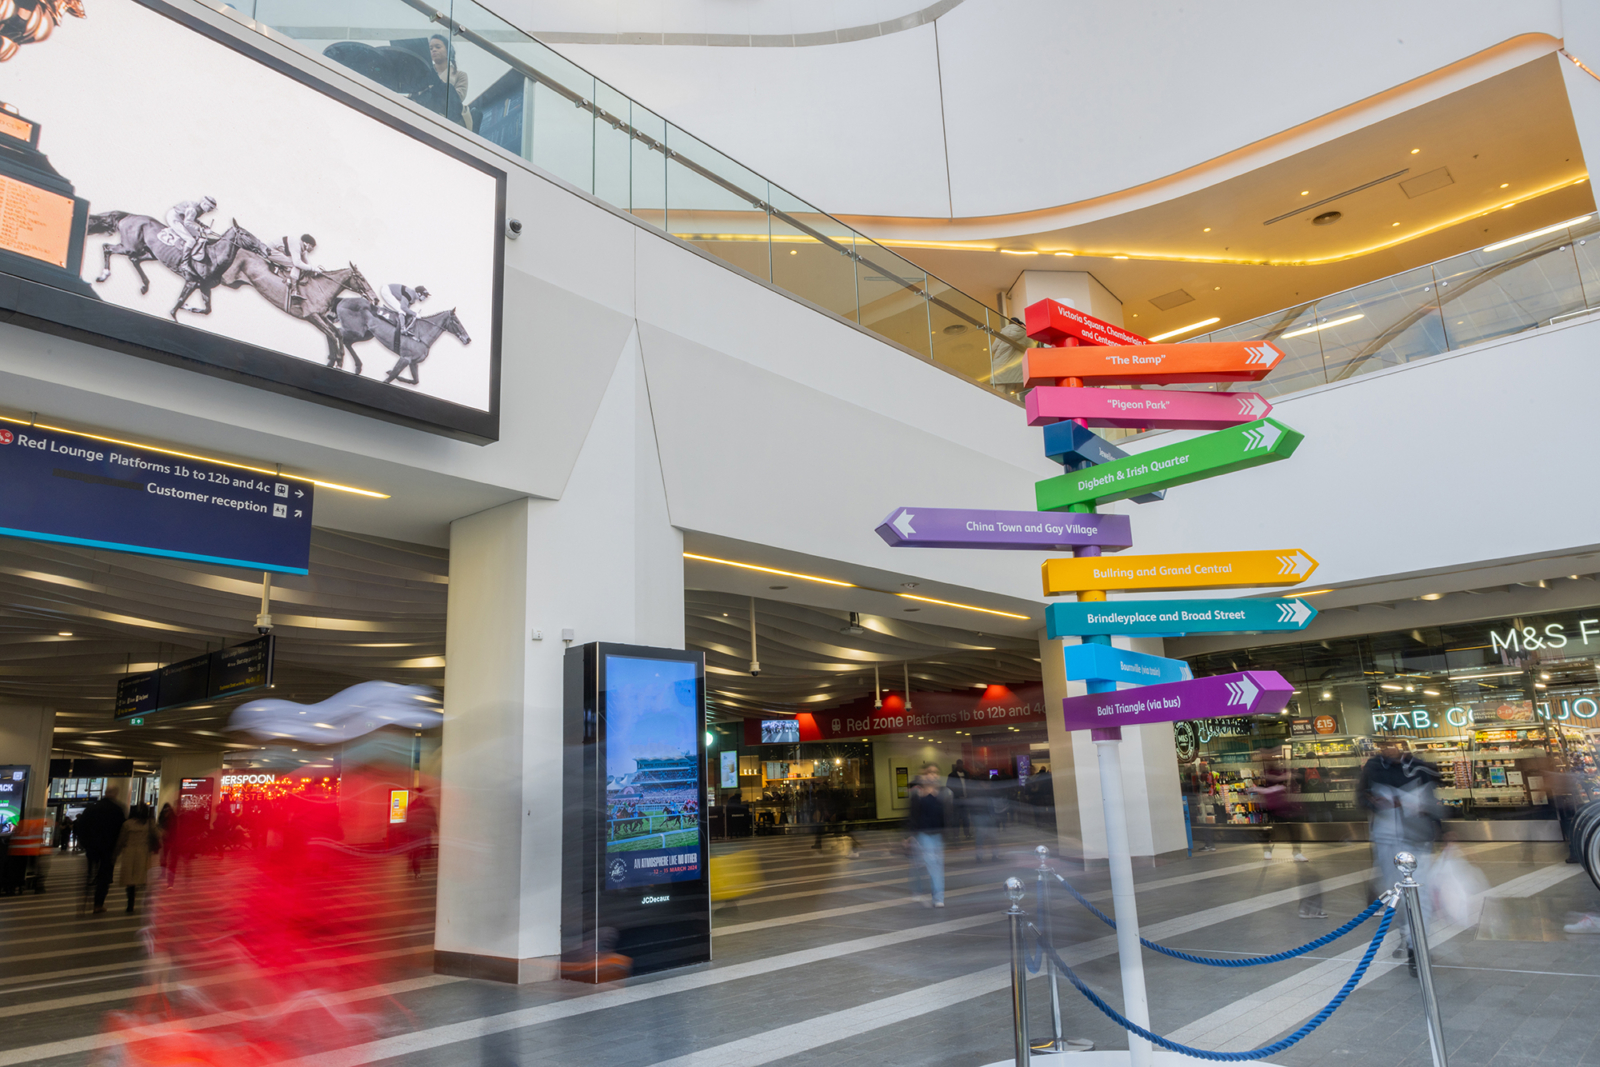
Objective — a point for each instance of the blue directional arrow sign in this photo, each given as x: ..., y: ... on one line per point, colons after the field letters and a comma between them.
x: 1075, y: 447
x: 1174, y: 617
x: 1103, y: 663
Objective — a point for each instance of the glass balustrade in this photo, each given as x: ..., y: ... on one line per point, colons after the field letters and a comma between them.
x: 461, y: 61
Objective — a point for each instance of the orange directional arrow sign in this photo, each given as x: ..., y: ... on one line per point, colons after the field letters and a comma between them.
x: 1179, y: 570
x: 1220, y: 361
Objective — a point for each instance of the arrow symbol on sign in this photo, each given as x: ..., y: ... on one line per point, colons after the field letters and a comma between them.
x: 1294, y: 611
x: 902, y: 522
x: 1262, y: 353
x: 1251, y: 406
x: 1297, y: 565
x: 298, y: 513
x: 299, y: 492
x: 1261, y: 437
x: 1242, y: 692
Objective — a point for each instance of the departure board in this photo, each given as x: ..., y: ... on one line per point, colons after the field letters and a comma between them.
x: 34, y: 222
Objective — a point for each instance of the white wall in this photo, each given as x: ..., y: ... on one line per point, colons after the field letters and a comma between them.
x: 26, y: 731
x: 1033, y: 105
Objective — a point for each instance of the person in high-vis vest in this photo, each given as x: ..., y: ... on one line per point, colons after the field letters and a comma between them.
x: 23, y: 857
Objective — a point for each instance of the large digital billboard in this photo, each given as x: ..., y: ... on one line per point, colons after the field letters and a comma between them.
x: 226, y: 212
x: 652, y: 771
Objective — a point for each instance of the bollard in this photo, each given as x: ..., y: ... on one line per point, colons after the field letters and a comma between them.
x: 1057, y: 1042
x: 1019, y: 972
x: 1409, y: 886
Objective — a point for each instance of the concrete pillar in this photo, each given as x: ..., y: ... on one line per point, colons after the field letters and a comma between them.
x: 1149, y: 771
x: 26, y: 731
x: 603, y: 562
x: 1075, y: 288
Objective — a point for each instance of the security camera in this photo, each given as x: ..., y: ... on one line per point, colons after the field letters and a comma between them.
x: 755, y: 668
x: 263, y: 623
x: 513, y: 228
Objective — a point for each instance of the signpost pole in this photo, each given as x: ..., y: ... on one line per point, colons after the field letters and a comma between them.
x: 1136, y: 1005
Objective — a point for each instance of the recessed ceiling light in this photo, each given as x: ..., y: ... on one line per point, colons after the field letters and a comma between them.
x: 1431, y: 596
x: 1414, y: 151
x: 794, y: 251
x: 1206, y: 230
x: 1305, y: 192
x: 64, y: 633
x: 1394, y: 224
x: 1119, y: 257
x: 1216, y: 288
x: 1505, y: 185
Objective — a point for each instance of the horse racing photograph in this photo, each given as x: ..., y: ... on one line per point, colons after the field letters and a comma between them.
x: 274, y: 227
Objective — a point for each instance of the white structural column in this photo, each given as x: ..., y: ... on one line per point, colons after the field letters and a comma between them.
x: 1580, y: 39
x: 1135, y: 1004
x: 1153, y: 806
x: 1075, y: 288
x: 26, y: 731
x: 603, y: 562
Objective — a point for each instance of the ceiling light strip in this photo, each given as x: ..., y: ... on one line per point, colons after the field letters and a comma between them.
x: 1213, y: 320
x: 852, y: 585
x: 1557, y: 228
x: 197, y: 458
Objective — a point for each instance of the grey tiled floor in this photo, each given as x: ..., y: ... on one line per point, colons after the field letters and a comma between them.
x: 1505, y: 1002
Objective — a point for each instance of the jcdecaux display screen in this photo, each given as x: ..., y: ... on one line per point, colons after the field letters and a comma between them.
x: 652, y: 771
x: 225, y: 211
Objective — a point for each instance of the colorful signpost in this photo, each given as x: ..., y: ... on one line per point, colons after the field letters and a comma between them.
x: 1171, y: 618
x: 1076, y: 447
x: 1067, y: 397
x: 964, y: 528
x: 1159, y: 409
x: 1223, y: 452
x: 1216, y: 361
x: 1103, y: 663
x: 1178, y: 570
x: 1247, y: 693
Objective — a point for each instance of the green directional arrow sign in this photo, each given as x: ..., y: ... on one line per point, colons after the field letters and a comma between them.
x: 1235, y: 449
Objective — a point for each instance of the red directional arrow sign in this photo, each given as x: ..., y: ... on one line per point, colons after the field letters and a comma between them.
x: 1053, y: 322
x: 1220, y: 361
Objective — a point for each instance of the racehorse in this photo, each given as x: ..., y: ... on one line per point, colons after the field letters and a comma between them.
x: 361, y: 321
x: 313, y: 301
x: 143, y: 238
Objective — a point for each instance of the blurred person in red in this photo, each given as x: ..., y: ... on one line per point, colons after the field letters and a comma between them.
x: 293, y: 938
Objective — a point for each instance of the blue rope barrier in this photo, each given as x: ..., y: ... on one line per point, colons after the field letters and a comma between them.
x: 1246, y: 961
x: 1225, y: 1057
x: 1035, y: 960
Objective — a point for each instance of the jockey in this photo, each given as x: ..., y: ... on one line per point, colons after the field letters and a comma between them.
x: 400, y: 298
x: 187, y: 225
x: 294, y: 261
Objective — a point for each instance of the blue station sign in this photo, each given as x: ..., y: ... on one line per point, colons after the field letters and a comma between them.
x: 70, y: 489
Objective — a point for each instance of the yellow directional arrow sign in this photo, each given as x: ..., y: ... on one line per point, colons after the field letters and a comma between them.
x: 1179, y: 570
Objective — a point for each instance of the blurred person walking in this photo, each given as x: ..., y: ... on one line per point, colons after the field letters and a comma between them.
x: 424, y: 821
x: 925, y: 826
x: 99, y: 828
x: 137, y: 842
x: 981, y: 802
x: 1400, y: 793
x: 1275, y: 792
x: 961, y: 794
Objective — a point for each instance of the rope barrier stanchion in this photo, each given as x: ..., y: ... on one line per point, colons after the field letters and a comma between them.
x: 1019, y: 972
x: 1136, y: 1030
x: 1058, y: 1043
x: 1412, y: 890
x: 1243, y: 961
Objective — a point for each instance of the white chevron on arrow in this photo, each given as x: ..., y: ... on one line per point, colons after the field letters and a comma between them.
x: 1242, y: 692
x: 1294, y: 611
x: 902, y: 522
x: 1262, y: 353
x: 1261, y: 437
x: 1251, y: 406
x: 1297, y: 565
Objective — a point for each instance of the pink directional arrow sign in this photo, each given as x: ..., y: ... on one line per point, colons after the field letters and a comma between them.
x: 1158, y: 409
x: 1246, y: 693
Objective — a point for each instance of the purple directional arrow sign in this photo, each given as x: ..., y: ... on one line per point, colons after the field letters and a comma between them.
x: 1039, y: 530
x: 1246, y: 693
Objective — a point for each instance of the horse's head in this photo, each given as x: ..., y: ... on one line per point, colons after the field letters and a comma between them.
x: 243, y: 238
x: 358, y: 283
x: 453, y: 324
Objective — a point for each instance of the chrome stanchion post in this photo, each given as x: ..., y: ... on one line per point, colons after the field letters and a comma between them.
x: 1019, y: 971
x: 1056, y: 1044
x: 1411, y: 889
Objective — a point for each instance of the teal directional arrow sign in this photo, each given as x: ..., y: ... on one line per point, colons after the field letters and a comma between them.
x: 1172, y: 617
x: 1235, y: 449
x: 1102, y: 663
